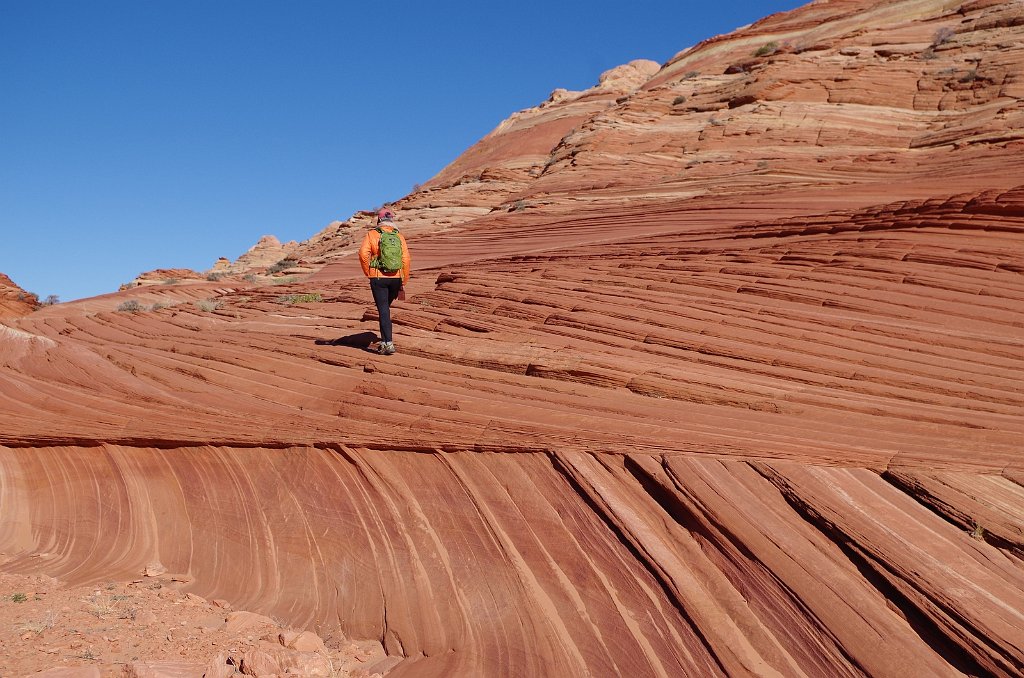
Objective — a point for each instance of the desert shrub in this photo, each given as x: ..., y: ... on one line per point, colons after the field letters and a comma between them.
x: 766, y: 49
x: 519, y: 206
x: 300, y: 298
x: 679, y: 100
x: 50, y: 300
x: 249, y: 277
x: 969, y: 76
x: 282, y: 265
x: 131, y: 306
x: 690, y: 76
x: 18, y: 598
x: 214, y: 277
x: 285, y: 280
x: 208, y: 305
x: 170, y: 281
x: 942, y: 36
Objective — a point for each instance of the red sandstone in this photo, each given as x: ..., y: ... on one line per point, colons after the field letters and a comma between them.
x: 714, y: 371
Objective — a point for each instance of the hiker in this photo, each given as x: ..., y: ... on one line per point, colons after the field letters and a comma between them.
x: 385, y: 259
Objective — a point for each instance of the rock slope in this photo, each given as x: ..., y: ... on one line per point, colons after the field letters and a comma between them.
x: 15, y: 301
x: 656, y: 420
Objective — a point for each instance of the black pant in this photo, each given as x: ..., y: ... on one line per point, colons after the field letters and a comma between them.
x: 385, y: 291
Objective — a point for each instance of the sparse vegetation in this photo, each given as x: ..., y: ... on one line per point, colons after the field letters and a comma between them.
x: 50, y: 300
x: 285, y: 280
x: 679, y: 100
x: 249, y: 277
x: 208, y: 305
x: 518, y: 206
x: 100, y: 606
x: 170, y: 281
x: 18, y: 597
x: 131, y: 306
x: 942, y: 36
x: 969, y: 76
x: 214, y: 277
x: 40, y: 625
x: 715, y: 122
x: 282, y: 265
x: 691, y: 75
x: 978, y: 532
x: 300, y: 298
x: 767, y: 49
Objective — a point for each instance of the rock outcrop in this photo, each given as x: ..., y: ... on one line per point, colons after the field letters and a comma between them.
x: 267, y: 252
x: 726, y: 381
x: 15, y: 301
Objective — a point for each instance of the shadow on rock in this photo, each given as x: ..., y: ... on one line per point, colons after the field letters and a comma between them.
x: 359, y: 340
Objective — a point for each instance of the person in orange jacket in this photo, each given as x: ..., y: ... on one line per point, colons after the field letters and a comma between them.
x: 384, y: 285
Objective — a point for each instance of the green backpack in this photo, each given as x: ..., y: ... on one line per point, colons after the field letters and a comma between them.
x: 389, y: 259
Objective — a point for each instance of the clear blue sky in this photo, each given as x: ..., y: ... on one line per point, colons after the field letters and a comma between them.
x: 143, y: 134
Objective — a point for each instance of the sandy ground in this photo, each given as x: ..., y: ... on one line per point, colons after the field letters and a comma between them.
x: 115, y: 625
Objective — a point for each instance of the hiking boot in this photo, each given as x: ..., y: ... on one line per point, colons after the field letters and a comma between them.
x: 386, y: 348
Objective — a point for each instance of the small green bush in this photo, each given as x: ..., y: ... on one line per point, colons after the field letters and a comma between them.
x: 300, y: 298
x: 249, y: 277
x: 766, y: 49
x: 214, y: 277
x: 679, y: 100
x: 18, y: 598
x: 131, y: 306
x: 208, y: 305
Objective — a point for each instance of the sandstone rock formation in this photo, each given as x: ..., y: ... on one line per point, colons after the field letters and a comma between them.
x: 163, y: 276
x: 719, y: 375
x: 267, y: 253
x: 15, y: 301
x: 264, y: 254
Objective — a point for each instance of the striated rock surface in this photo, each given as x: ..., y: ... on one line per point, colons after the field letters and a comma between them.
x: 163, y: 276
x: 734, y: 390
x: 15, y: 301
x: 264, y: 254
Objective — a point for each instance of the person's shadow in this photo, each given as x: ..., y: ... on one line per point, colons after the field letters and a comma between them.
x: 358, y: 340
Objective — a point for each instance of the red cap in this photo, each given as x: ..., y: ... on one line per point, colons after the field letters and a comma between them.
x: 384, y: 214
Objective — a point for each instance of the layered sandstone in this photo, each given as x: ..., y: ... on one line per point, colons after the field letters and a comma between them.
x: 726, y: 385
x: 15, y: 301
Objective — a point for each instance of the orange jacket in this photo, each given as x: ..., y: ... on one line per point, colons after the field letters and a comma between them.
x: 371, y: 248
